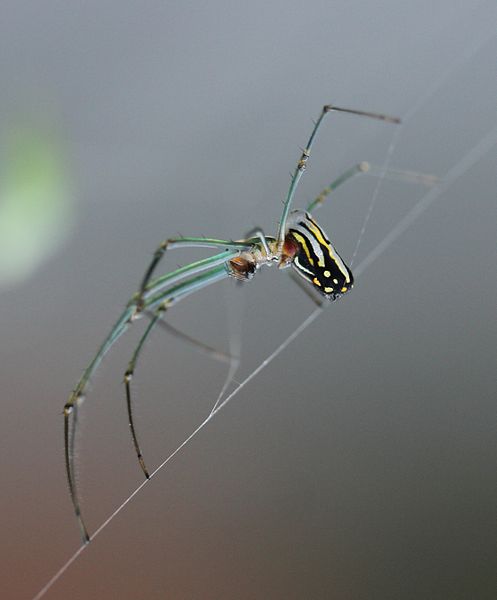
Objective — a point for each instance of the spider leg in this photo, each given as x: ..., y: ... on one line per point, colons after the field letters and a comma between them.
x: 71, y: 409
x: 161, y: 303
x: 186, y: 242
x: 122, y: 324
x: 259, y: 234
x: 128, y: 375
x: 174, y: 294
x: 426, y: 179
x: 301, y: 165
x: 365, y: 167
x: 167, y: 280
x: 201, y: 346
x: 361, y: 167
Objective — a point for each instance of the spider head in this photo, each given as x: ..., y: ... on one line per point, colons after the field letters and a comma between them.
x: 314, y: 257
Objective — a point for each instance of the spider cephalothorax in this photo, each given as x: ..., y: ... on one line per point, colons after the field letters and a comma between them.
x: 242, y: 267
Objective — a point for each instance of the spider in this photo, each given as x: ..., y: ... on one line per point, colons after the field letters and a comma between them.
x: 299, y: 243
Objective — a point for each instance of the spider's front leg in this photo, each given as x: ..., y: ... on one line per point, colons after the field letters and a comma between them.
x: 183, y: 242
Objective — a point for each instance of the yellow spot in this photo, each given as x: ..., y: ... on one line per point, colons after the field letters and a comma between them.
x: 316, y: 281
x: 335, y: 281
x: 327, y: 274
x: 328, y: 290
x: 344, y: 289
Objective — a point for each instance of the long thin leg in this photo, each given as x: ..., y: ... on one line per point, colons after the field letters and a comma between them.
x: 167, y: 280
x: 71, y: 408
x: 185, y: 288
x: 119, y: 328
x: 361, y: 167
x: 301, y: 165
x: 404, y: 176
x: 187, y: 242
x: 262, y: 237
x: 128, y: 376
x: 365, y: 167
x: 167, y: 298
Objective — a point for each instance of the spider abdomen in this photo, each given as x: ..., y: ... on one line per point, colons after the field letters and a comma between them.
x: 315, y: 258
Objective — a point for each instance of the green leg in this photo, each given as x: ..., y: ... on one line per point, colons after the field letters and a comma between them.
x: 415, y: 177
x: 362, y: 167
x: 257, y: 235
x: 301, y: 165
x: 161, y: 303
x: 177, y: 292
x: 189, y: 242
x: 169, y: 279
x: 77, y: 396
x: 71, y: 408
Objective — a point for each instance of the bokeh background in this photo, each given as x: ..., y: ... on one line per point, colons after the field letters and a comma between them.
x: 361, y: 463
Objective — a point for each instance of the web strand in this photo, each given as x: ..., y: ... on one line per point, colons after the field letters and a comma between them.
x: 379, y: 182
x: 235, y: 350
x: 468, y: 54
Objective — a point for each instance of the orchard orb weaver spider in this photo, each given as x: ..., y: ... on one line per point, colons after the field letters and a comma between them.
x: 300, y: 243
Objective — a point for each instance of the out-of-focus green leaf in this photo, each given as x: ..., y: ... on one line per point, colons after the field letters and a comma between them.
x: 36, y: 207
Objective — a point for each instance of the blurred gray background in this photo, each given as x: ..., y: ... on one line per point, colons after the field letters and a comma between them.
x: 361, y: 463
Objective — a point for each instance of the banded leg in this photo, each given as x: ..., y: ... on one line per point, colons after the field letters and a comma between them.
x: 161, y: 303
x: 301, y: 165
